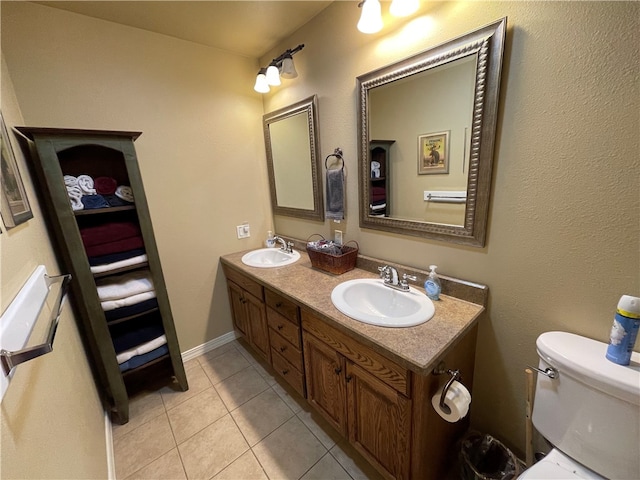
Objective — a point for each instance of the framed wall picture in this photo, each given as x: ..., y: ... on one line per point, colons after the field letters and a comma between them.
x: 14, y: 206
x: 433, y: 153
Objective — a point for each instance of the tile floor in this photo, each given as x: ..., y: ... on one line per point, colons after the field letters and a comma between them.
x: 236, y: 421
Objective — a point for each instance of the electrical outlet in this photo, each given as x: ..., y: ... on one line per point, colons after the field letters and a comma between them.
x: 337, y: 237
x: 243, y: 230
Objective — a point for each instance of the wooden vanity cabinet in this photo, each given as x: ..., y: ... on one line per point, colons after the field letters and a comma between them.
x: 248, y: 311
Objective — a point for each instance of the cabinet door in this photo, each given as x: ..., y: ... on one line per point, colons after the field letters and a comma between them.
x: 379, y: 422
x: 325, y: 381
x: 258, y: 329
x: 238, y: 311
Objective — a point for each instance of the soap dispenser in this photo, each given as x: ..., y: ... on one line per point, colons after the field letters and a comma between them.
x: 271, y: 241
x: 432, y: 284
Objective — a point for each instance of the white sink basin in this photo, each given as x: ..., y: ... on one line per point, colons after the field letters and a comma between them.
x: 370, y: 301
x: 270, y: 258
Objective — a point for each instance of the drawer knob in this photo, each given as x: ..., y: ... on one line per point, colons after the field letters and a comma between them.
x: 338, y: 370
x: 348, y: 378
x: 278, y: 304
x: 284, y: 372
x: 280, y: 327
x: 283, y: 348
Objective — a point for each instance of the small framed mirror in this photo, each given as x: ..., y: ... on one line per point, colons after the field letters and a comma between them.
x: 426, y: 129
x: 291, y: 140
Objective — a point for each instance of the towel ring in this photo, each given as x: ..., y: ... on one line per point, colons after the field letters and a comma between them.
x: 336, y: 153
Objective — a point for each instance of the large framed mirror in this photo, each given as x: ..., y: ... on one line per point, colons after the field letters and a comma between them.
x: 291, y: 141
x: 426, y: 129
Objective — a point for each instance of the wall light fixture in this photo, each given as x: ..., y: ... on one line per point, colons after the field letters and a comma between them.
x: 280, y: 67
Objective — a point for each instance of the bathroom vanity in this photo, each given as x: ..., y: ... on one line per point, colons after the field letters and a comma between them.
x: 372, y: 384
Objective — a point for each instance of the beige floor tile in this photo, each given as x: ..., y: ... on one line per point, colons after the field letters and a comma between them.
x: 267, y: 372
x: 189, y: 417
x: 216, y: 352
x: 319, y: 427
x: 198, y: 382
x: 246, y: 351
x: 167, y: 467
x: 326, y: 469
x: 293, y: 400
x: 241, y: 387
x: 246, y: 467
x: 142, y: 446
x: 353, y: 463
x: 141, y: 409
x: 223, y: 366
x: 211, y: 450
x: 290, y: 451
x: 261, y: 415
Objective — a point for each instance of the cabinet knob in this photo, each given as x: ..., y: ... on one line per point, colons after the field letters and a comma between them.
x: 283, y: 348
x: 348, y: 378
x: 284, y: 372
x: 278, y: 304
x: 338, y: 370
x: 280, y: 327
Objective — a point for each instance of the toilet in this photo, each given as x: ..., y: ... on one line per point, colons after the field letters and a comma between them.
x: 590, y: 412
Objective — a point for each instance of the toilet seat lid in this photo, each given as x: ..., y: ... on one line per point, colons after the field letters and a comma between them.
x: 557, y: 466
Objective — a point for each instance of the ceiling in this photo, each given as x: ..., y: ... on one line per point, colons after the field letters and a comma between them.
x: 248, y: 28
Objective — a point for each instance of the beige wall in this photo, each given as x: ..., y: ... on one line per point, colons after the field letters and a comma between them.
x: 52, y: 421
x: 564, y: 222
x: 564, y: 229
x: 201, y: 151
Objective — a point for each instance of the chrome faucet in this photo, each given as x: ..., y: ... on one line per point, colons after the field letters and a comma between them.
x: 286, y: 247
x: 390, y: 278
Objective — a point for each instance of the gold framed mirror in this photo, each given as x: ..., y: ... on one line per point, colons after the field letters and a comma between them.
x: 426, y: 135
x: 291, y: 141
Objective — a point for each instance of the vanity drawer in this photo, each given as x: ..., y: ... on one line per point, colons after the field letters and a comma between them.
x: 292, y: 376
x: 251, y: 286
x: 284, y: 327
x: 284, y: 307
x: 383, y: 368
x: 286, y: 349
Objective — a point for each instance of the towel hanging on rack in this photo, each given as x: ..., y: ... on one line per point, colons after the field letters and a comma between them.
x: 335, y: 188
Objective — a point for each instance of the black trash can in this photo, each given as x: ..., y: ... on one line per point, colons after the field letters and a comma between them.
x: 482, y: 457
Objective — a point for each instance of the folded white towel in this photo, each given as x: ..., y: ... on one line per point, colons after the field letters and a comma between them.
x: 125, y: 193
x: 85, y: 182
x: 70, y: 180
x: 75, y: 195
x: 141, y: 349
x: 107, y: 267
x: 122, y: 286
x: 128, y: 301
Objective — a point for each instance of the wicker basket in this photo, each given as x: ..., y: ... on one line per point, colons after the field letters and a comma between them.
x: 336, y: 264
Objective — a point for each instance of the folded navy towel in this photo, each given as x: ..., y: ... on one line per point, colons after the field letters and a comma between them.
x: 129, y: 310
x: 115, y: 201
x: 115, y: 257
x: 93, y: 201
x: 129, y: 339
x: 140, y: 360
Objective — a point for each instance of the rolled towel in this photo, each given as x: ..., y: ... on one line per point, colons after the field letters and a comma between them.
x: 85, y: 182
x: 122, y: 286
x: 105, y: 185
x: 75, y: 197
x: 125, y: 193
x: 116, y: 201
x: 70, y: 180
x: 94, y: 201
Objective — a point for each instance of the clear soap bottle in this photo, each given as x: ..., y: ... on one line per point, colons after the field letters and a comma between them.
x: 432, y: 284
x: 270, y: 242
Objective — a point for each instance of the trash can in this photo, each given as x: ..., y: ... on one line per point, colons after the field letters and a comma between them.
x: 482, y: 457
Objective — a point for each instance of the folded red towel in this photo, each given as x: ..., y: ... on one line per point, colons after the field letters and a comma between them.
x: 109, y: 232
x: 115, y: 246
x: 105, y: 185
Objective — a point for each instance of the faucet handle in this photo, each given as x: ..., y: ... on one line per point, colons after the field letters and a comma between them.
x: 406, y: 277
x: 385, y: 273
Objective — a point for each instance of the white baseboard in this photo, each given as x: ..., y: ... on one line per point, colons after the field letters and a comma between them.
x: 210, y: 345
x: 111, y: 460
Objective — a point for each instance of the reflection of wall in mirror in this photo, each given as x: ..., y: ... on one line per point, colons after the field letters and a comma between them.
x: 291, y: 151
x: 438, y: 100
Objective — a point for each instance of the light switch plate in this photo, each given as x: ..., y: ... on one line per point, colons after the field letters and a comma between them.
x: 337, y: 237
x: 243, y: 231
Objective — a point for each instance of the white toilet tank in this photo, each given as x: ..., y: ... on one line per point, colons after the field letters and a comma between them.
x: 591, y: 410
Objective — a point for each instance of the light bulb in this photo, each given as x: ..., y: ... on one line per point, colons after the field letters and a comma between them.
x: 371, y: 18
x: 403, y: 8
x: 288, y: 68
x: 261, y: 86
x: 273, y: 75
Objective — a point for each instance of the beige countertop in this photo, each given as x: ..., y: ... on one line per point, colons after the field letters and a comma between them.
x: 416, y: 348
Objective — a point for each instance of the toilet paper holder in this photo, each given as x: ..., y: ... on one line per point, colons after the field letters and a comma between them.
x: 441, y: 369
